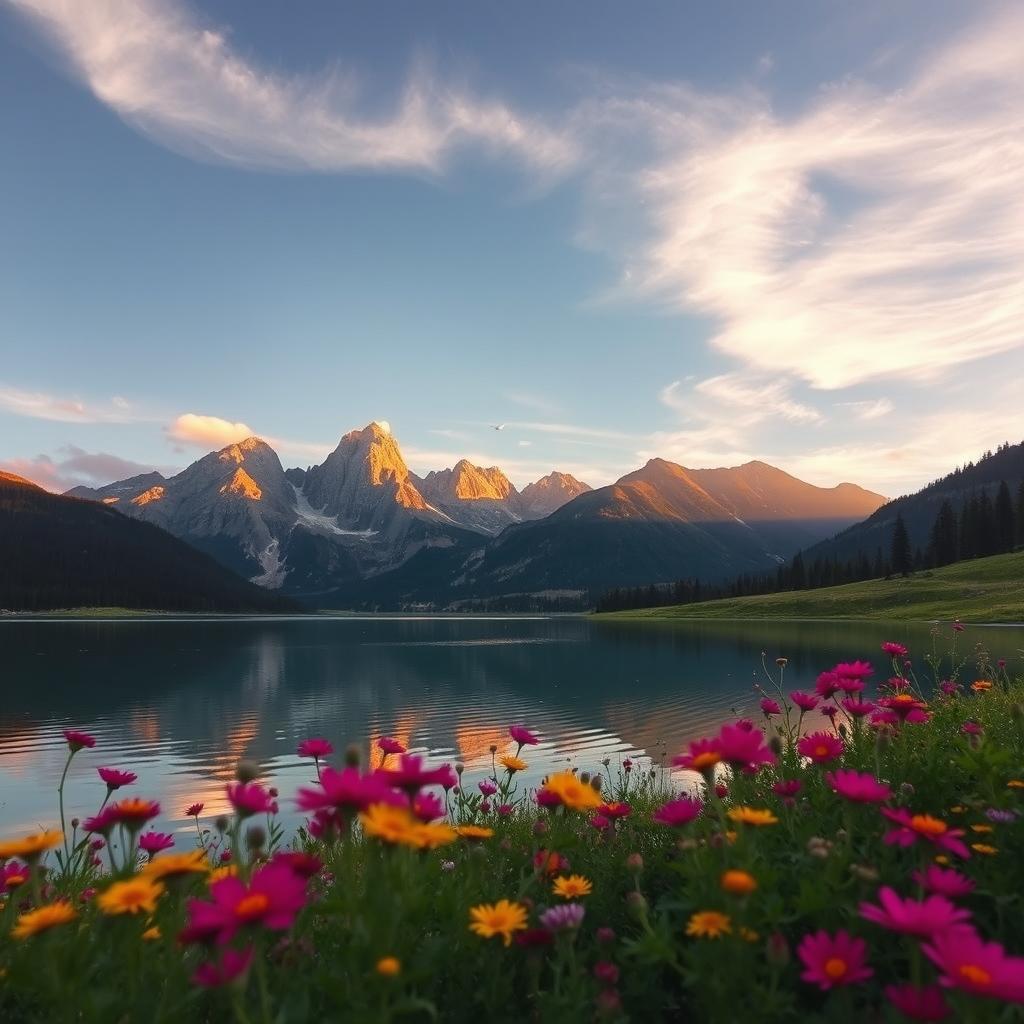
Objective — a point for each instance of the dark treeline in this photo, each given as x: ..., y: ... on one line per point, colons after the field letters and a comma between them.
x: 979, y: 527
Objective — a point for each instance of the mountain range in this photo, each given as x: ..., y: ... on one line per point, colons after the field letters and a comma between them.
x: 361, y: 530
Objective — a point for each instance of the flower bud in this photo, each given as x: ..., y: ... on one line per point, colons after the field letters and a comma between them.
x: 255, y: 838
x: 634, y: 863
x: 842, y: 835
x: 353, y: 755
x: 864, y: 872
x: 585, y: 778
x: 494, y: 748
x: 540, y: 827
x: 273, y: 792
x: 821, y: 852
x: 74, y: 823
x: 776, y: 950
x: 459, y: 767
x: 636, y: 904
x: 246, y: 771
x: 605, y: 935
x: 595, y: 782
x: 688, y: 844
x: 906, y: 789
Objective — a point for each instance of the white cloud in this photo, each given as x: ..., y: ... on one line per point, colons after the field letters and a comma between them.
x: 875, y: 235
x: 60, y: 408
x: 181, y: 82
x: 760, y: 399
x: 870, y: 409
x: 208, y: 432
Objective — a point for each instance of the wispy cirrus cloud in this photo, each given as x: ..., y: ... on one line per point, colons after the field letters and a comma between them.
x: 869, y: 409
x: 180, y: 81
x: 43, y: 405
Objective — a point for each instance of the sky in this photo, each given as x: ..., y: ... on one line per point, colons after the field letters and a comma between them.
x: 712, y: 233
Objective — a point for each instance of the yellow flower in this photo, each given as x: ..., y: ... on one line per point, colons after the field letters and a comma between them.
x: 130, y: 897
x: 35, y: 921
x: 31, y: 847
x: 569, y: 887
x: 749, y: 935
x: 984, y: 848
x: 501, y: 918
x: 941, y: 858
x: 981, y: 828
x: 1015, y: 784
x: 957, y: 809
x: 398, y: 826
x: 708, y: 924
x: 739, y: 883
x: 226, y: 871
x: 579, y: 796
x: 980, y: 685
x: 389, y: 966
x: 430, y: 837
x: 752, y: 816
x: 152, y: 934
x: 169, y: 865
x: 474, y: 831
x: 513, y: 764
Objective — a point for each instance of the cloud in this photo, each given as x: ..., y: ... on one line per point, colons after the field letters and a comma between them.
x: 873, y: 235
x: 209, y: 432
x: 181, y: 82
x: 756, y: 400
x: 41, y: 405
x: 74, y: 467
x: 529, y: 401
x: 872, y: 409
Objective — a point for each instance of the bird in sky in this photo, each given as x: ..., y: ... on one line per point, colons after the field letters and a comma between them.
x: 498, y: 426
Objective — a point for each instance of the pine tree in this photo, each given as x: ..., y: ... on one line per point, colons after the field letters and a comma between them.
x: 943, y: 541
x: 798, y: 575
x: 901, y: 555
x: 1006, y: 526
x: 985, y: 527
x: 1020, y: 513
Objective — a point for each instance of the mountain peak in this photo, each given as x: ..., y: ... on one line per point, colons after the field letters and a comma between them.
x: 13, y: 478
x: 551, y: 492
x: 237, y: 452
x: 467, y: 482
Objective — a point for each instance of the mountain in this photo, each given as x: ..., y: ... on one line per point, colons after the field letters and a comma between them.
x: 549, y: 493
x: 484, y: 500
x: 658, y: 524
x: 119, y: 491
x: 61, y: 552
x: 920, y: 509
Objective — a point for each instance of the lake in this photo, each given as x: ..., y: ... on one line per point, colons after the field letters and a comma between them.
x: 180, y: 700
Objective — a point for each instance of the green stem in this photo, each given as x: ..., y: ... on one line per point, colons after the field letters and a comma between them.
x: 60, y: 800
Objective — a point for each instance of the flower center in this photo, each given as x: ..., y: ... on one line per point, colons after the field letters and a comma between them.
x: 927, y: 825
x: 251, y: 906
x: 821, y: 750
x: 705, y: 760
x: 974, y: 974
x: 835, y: 967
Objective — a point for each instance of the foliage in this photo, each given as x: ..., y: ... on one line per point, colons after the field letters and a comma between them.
x: 759, y: 897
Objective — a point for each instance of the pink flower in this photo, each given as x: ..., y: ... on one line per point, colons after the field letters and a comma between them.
x: 857, y: 708
x: 894, y: 650
x: 982, y: 968
x: 827, y: 684
x: 115, y: 779
x: 831, y: 960
x: 820, y: 747
x: 851, y: 685
x: 428, y: 806
x: 600, y: 822
x: 390, y: 746
x: 487, y: 787
x: 273, y: 897
x: 347, y: 791
x: 522, y: 736
x: 744, y: 748
x: 194, y: 810
x: 133, y: 813
x: 505, y: 810
x: 615, y: 810
x: 905, y: 706
x: 971, y: 728
x: 923, y: 918
x: 910, y: 828
x: 233, y: 964
x: 305, y: 865
x: 153, y: 842
x: 860, y: 787
x: 411, y: 776
x: 77, y: 740
x: 927, y: 1003
x: 12, y: 875
x: 949, y: 687
x: 804, y: 701
x: 897, y: 684
x: 606, y: 972
x: 770, y: 707
x: 885, y: 718
x: 944, y: 881
x: 315, y: 748
x: 249, y: 798
x: 677, y: 813
x: 102, y: 822
x: 853, y: 670
x: 787, y: 788
x: 545, y: 798
x: 958, y: 626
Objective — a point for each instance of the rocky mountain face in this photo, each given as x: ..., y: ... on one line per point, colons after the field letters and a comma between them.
x: 361, y: 529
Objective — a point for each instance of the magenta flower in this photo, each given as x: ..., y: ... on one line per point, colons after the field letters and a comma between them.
x: 949, y: 687
x: 428, y: 806
x: 857, y: 708
x: 387, y: 745
x: 831, y: 960
x: 804, y: 701
x: 411, y: 776
x: 971, y: 728
x: 305, y: 865
x: 702, y: 756
x: 153, y: 842
x: 115, y: 779
x: 249, y: 798
x: 102, y: 822
x: 232, y: 965
x: 194, y: 810
x: 677, y: 813
x: 958, y: 626
x: 347, y: 791
x: 600, y: 822
x: 967, y: 962
x: 944, y: 881
x: 923, y: 918
x: 910, y: 828
x: 927, y: 1003
x: 770, y: 707
x: 744, y: 748
x: 884, y: 718
x: 77, y: 740
x: 273, y: 897
x: 505, y: 810
x: 133, y: 813
x: 894, y: 650
x: 851, y: 685
x: 906, y: 707
x: 315, y: 748
x: 563, y: 918
x: 827, y: 685
x: 860, y: 787
x: 787, y: 789
x: 545, y: 798
x: 487, y: 787
x: 615, y: 810
x: 12, y: 875
x: 522, y: 736
x: 853, y: 670
x: 820, y: 747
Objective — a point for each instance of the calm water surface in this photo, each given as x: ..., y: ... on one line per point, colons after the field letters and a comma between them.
x: 179, y: 701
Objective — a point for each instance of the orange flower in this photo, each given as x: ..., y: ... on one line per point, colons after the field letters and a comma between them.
x: 570, y: 887
x: 513, y: 764
x: 130, y: 897
x: 752, y: 816
x: 31, y: 847
x: 389, y: 966
x: 35, y: 921
x: 474, y: 832
x: 501, y: 918
x: 576, y: 795
x: 981, y: 685
x: 708, y: 924
x: 739, y: 883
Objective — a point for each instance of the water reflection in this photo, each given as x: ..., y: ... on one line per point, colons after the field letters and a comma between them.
x: 179, y: 701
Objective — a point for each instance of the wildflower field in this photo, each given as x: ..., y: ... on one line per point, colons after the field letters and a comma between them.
x: 855, y: 855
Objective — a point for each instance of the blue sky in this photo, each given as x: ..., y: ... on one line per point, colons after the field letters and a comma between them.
x: 710, y: 232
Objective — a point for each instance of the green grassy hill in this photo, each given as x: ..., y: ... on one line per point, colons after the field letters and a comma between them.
x: 982, y: 590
